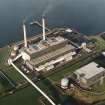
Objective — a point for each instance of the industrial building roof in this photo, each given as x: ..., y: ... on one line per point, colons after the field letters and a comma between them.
x: 65, y: 49
x: 43, y: 45
x: 90, y: 70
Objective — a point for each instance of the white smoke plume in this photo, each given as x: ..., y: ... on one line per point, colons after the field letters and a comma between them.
x: 49, y: 7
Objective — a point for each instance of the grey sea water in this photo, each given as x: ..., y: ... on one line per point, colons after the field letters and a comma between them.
x: 86, y: 16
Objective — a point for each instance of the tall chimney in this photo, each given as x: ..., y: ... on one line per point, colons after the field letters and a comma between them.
x: 25, y: 37
x: 43, y: 25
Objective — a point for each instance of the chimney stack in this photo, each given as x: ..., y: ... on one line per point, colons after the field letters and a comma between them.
x: 43, y: 25
x: 25, y: 37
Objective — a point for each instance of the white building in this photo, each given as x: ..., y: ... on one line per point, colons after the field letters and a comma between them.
x: 89, y: 74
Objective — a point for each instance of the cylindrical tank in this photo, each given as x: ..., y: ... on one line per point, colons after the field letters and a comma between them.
x: 83, y: 45
x: 16, y: 48
x: 64, y: 83
x: 13, y: 54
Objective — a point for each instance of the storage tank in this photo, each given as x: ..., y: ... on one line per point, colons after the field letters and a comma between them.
x: 16, y: 48
x: 64, y: 83
x: 83, y: 45
x: 13, y: 54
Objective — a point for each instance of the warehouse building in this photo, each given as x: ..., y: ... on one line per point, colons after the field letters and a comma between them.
x: 89, y: 74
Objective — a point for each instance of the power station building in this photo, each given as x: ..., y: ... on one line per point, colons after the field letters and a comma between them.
x: 46, y: 53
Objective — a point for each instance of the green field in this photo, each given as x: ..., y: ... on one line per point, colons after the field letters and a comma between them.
x: 5, y: 83
x: 27, y: 96
x: 10, y: 71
